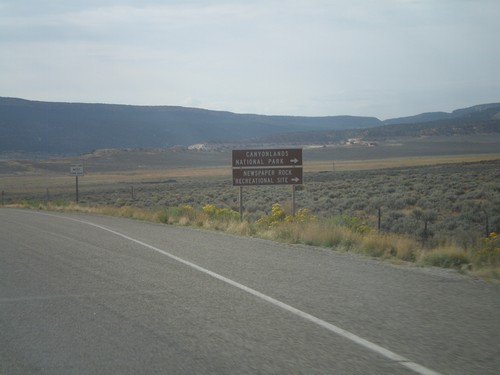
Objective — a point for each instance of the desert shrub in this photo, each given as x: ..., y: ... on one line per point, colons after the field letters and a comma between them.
x: 474, y: 194
x: 446, y: 258
x: 411, y: 200
x: 375, y: 246
x: 209, y: 209
x: 320, y: 233
x: 301, y: 216
x: 398, y: 204
x: 323, y: 233
x: 425, y: 203
x: 392, y: 221
x: 489, y: 251
x: 495, y: 222
x: 252, y: 206
x: 389, y: 246
x: 464, y: 238
x: 286, y: 233
x: 425, y: 217
x: 187, y: 210
x: 223, y: 214
x: 253, y: 216
x: 163, y: 216
x: 180, y: 214
x: 356, y: 224
x: 243, y: 228
x: 277, y: 216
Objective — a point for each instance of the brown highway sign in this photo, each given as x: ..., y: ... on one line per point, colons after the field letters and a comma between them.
x: 267, y: 176
x: 267, y: 167
x: 267, y: 158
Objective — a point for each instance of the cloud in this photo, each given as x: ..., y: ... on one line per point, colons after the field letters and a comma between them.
x: 383, y: 58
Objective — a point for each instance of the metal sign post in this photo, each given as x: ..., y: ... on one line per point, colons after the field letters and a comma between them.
x: 76, y: 170
x: 241, y: 203
x: 77, y: 189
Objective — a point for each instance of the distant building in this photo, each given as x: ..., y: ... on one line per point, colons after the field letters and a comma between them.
x: 198, y: 147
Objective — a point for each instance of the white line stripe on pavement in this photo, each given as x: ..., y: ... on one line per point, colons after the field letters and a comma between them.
x: 419, y: 369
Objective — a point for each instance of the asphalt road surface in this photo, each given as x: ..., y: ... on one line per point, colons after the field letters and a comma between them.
x: 83, y: 294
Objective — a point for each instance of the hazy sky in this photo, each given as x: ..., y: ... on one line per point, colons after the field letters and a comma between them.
x: 382, y: 58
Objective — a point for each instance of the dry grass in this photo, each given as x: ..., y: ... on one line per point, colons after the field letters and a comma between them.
x: 125, y: 211
x: 390, y: 246
x: 395, y: 162
x: 445, y: 257
x: 40, y: 181
x: 321, y: 233
x: 491, y: 273
x: 328, y: 234
x: 37, y: 179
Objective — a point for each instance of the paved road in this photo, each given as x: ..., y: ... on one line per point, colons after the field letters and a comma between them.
x: 99, y: 295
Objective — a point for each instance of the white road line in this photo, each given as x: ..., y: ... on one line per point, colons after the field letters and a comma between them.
x: 419, y: 369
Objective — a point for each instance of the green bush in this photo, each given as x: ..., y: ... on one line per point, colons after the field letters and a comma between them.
x: 223, y: 214
x: 446, y: 259
x: 165, y: 215
x: 279, y: 216
x: 356, y: 224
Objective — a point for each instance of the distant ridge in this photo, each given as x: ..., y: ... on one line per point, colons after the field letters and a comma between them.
x: 423, y: 117
x: 52, y: 127
x: 435, y: 116
x: 75, y: 128
x: 479, y: 119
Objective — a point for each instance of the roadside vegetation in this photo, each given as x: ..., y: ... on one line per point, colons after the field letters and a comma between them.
x: 444, y: 215
x: 341, y: 232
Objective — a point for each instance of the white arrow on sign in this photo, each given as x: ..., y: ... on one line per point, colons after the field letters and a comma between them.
x: 295, y: 179
x: 295, y: 161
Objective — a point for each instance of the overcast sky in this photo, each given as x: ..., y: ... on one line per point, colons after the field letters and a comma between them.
x: 382, y: 58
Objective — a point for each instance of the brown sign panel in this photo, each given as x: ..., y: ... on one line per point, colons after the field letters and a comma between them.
x: 267, y: 176
x: 267, y: 158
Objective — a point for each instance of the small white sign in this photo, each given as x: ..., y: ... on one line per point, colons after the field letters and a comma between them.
x: 76, y: 170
